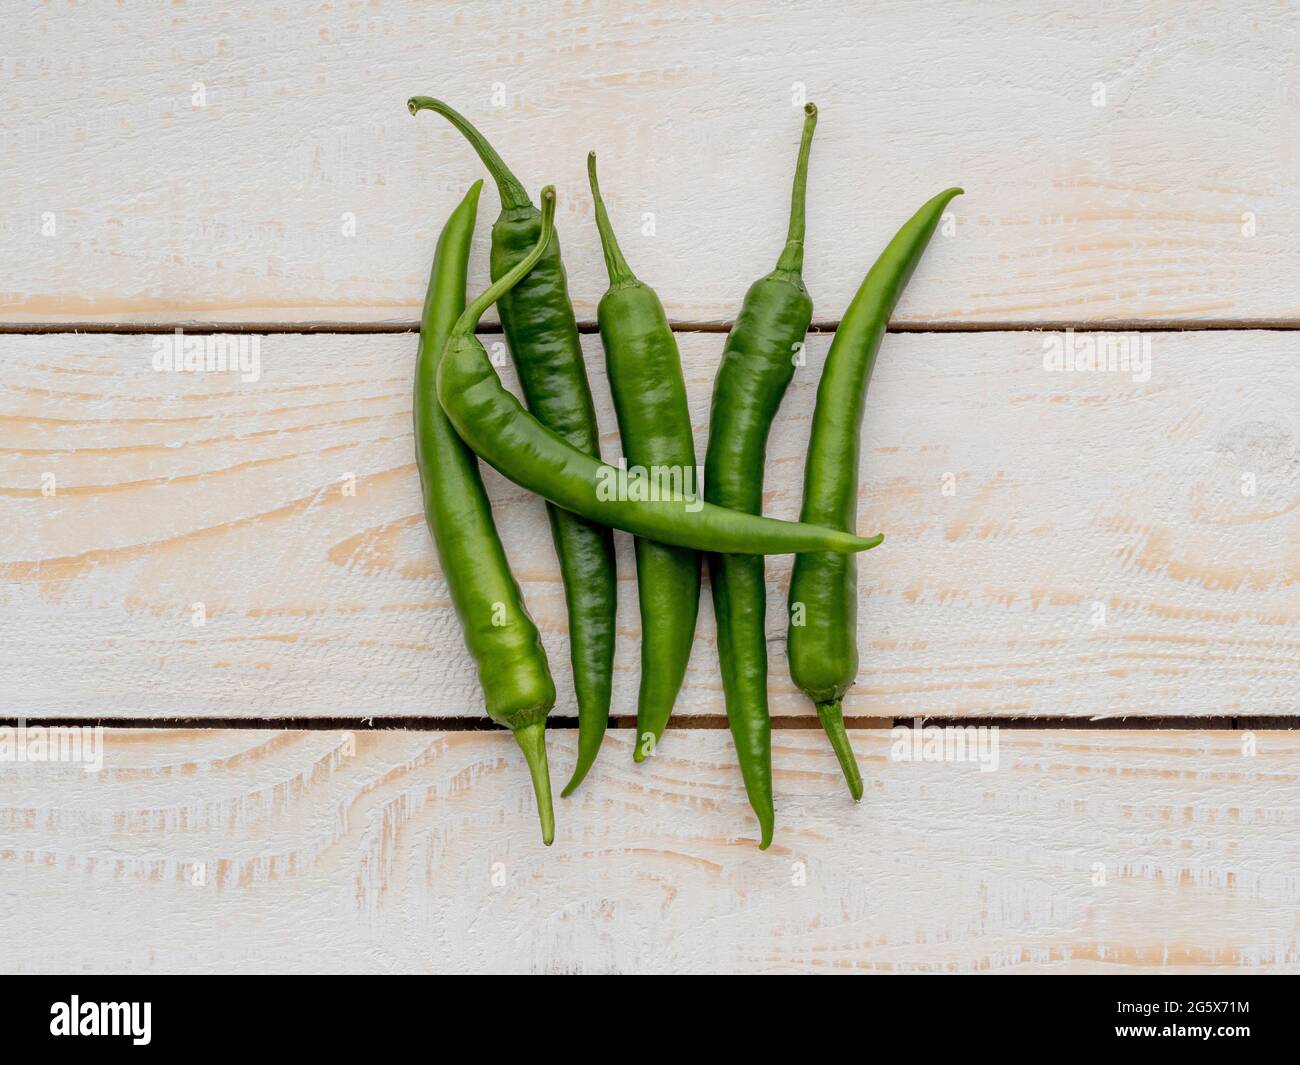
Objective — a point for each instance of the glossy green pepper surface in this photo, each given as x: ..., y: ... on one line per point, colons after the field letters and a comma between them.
x: 823, y: 638
x: 542, y: 333
x: 517, y: 687
x: 645, y: 378
x: 758, y: 362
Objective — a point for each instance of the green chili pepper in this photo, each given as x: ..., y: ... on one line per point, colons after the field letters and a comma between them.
x: 501, y: 637
x: 542, y: 333
x: 758, y: 362
x: 823, y: 641
x: 492, y: 422
x: 645, y: 377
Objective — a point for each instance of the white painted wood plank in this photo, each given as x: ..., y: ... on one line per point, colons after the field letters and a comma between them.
x: 128, y: 197
x: 253, y: 851
x: 1097, y: 555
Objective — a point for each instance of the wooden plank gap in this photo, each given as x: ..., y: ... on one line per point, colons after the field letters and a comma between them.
x: 679, y: 724
x: 207, y: 328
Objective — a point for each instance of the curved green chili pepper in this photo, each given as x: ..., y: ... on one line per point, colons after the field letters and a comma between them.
x: 823, y: 640
x: 758, y: 362
x: 501, y: 637
x: 645, y: 377
x: 492, y: 422
x: 542, y: 333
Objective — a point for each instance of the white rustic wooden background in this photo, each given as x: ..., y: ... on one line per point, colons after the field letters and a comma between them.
x: 1111, y: 559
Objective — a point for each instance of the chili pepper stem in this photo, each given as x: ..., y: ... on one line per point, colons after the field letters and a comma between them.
x: 512, y: 193
x: 468, y: 321
x: 532, y: 741
x: 831, y: 715
x: 619, y: 272
x: 792, y: 254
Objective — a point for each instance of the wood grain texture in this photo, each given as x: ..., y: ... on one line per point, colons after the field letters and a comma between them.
x: 398, y: 852
x: 1056, y: 543
x: 129, y: 198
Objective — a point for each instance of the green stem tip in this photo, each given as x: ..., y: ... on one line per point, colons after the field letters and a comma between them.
x: 532, y: 741
x: 792, y: 254
x: 509, y: 188
x: 615, y: 264
x: 832, y: 718
x: 468, y: 321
